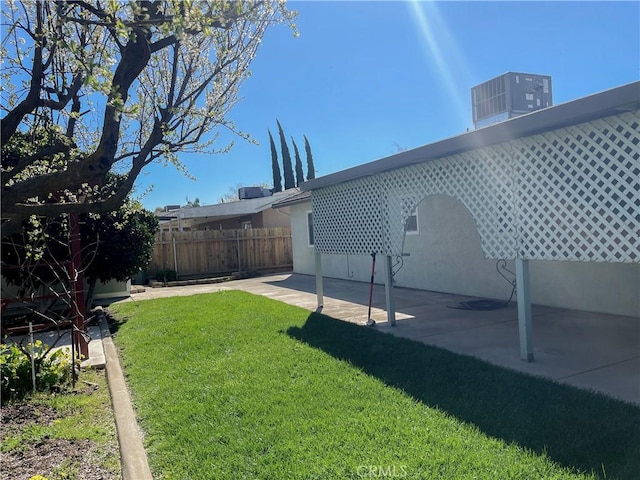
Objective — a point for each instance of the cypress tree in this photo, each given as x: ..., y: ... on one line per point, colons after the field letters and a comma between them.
x: 277, y: 178
x: 311, y: 169
x: 289, y: 181
x: 299, y: 172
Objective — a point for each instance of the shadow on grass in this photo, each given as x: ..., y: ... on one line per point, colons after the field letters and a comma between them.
x: 576, y: 428
x: 114, y: 322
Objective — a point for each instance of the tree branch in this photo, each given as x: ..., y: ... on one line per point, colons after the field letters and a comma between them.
x: 27, y: 161
x: 206, y: 66
x: 9, y: 124
x: 63, y: 99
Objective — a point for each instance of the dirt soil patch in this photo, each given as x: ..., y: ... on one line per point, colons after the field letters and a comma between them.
x: 17, y: 417
x: 53, y: 458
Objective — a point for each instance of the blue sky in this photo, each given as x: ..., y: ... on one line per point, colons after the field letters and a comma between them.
x: 366, y: 78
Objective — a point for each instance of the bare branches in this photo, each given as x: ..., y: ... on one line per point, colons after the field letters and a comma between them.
x: 63, y: 98
x: 157, y: 78
x: 10, y: 122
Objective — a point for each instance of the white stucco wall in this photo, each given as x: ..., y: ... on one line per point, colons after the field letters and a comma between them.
x: 446, y: 256
x: 275, y: 217
x: 112, y: 289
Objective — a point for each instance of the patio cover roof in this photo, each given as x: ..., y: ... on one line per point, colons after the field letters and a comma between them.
x: 599, y: 105
x: 557, y: 184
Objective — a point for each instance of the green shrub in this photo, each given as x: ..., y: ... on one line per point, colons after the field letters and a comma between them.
x: 166, y: 276
x: 53, y: 369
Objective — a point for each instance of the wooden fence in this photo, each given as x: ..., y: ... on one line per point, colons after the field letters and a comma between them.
x: 210, y: 252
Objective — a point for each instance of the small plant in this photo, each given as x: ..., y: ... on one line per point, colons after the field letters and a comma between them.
x: 166, y: 276
x: 52, y: 369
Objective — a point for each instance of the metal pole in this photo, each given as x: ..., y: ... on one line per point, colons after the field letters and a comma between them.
x: 238, y: 248
x: 33, y: 360
x: 73, y: 361
x: 525, y: 323
x: 388, y: 290
x: 175, y: 257
x: 163, y: 254
x: 319, y: 284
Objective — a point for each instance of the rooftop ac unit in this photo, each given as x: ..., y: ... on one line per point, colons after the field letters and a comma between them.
x: 245, y: 193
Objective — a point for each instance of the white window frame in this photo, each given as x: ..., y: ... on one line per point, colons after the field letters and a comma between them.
x: 310, y: 231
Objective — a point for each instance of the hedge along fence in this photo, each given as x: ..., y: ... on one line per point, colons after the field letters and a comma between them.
x: 208, y: 252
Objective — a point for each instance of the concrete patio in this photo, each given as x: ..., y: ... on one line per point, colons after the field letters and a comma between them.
x: 588, y: 350
x: 62, y: 340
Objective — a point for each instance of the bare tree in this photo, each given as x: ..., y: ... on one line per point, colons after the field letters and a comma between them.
x: 192, y: 203
x: 127, y: 82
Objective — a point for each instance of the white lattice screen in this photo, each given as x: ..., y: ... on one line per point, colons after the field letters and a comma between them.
x: 568, y: 194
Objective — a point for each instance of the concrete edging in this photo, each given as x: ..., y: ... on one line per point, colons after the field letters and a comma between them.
x: 133, y: 457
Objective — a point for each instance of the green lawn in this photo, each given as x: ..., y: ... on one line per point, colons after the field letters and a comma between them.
x: 231, y: 385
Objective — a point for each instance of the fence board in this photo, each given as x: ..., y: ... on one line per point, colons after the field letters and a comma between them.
x: 209, y: 252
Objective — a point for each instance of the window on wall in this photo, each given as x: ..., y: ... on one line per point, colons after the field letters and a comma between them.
x: 411, y: 223
x: 411, y: 227
x: 246, y: 225
x: 310, y: 228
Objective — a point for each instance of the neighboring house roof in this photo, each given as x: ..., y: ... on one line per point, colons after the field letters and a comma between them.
x: 238, y: 208
x: 301, y: 197
x: 599, y: 105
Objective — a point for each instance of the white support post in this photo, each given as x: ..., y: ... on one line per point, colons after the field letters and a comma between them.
x: 388, y: 290
x: 524, y: 310
x: 319, y: 285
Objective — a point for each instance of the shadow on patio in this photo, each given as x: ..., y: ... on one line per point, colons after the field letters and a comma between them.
x: 594, y: 351
x: 576, y: 428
